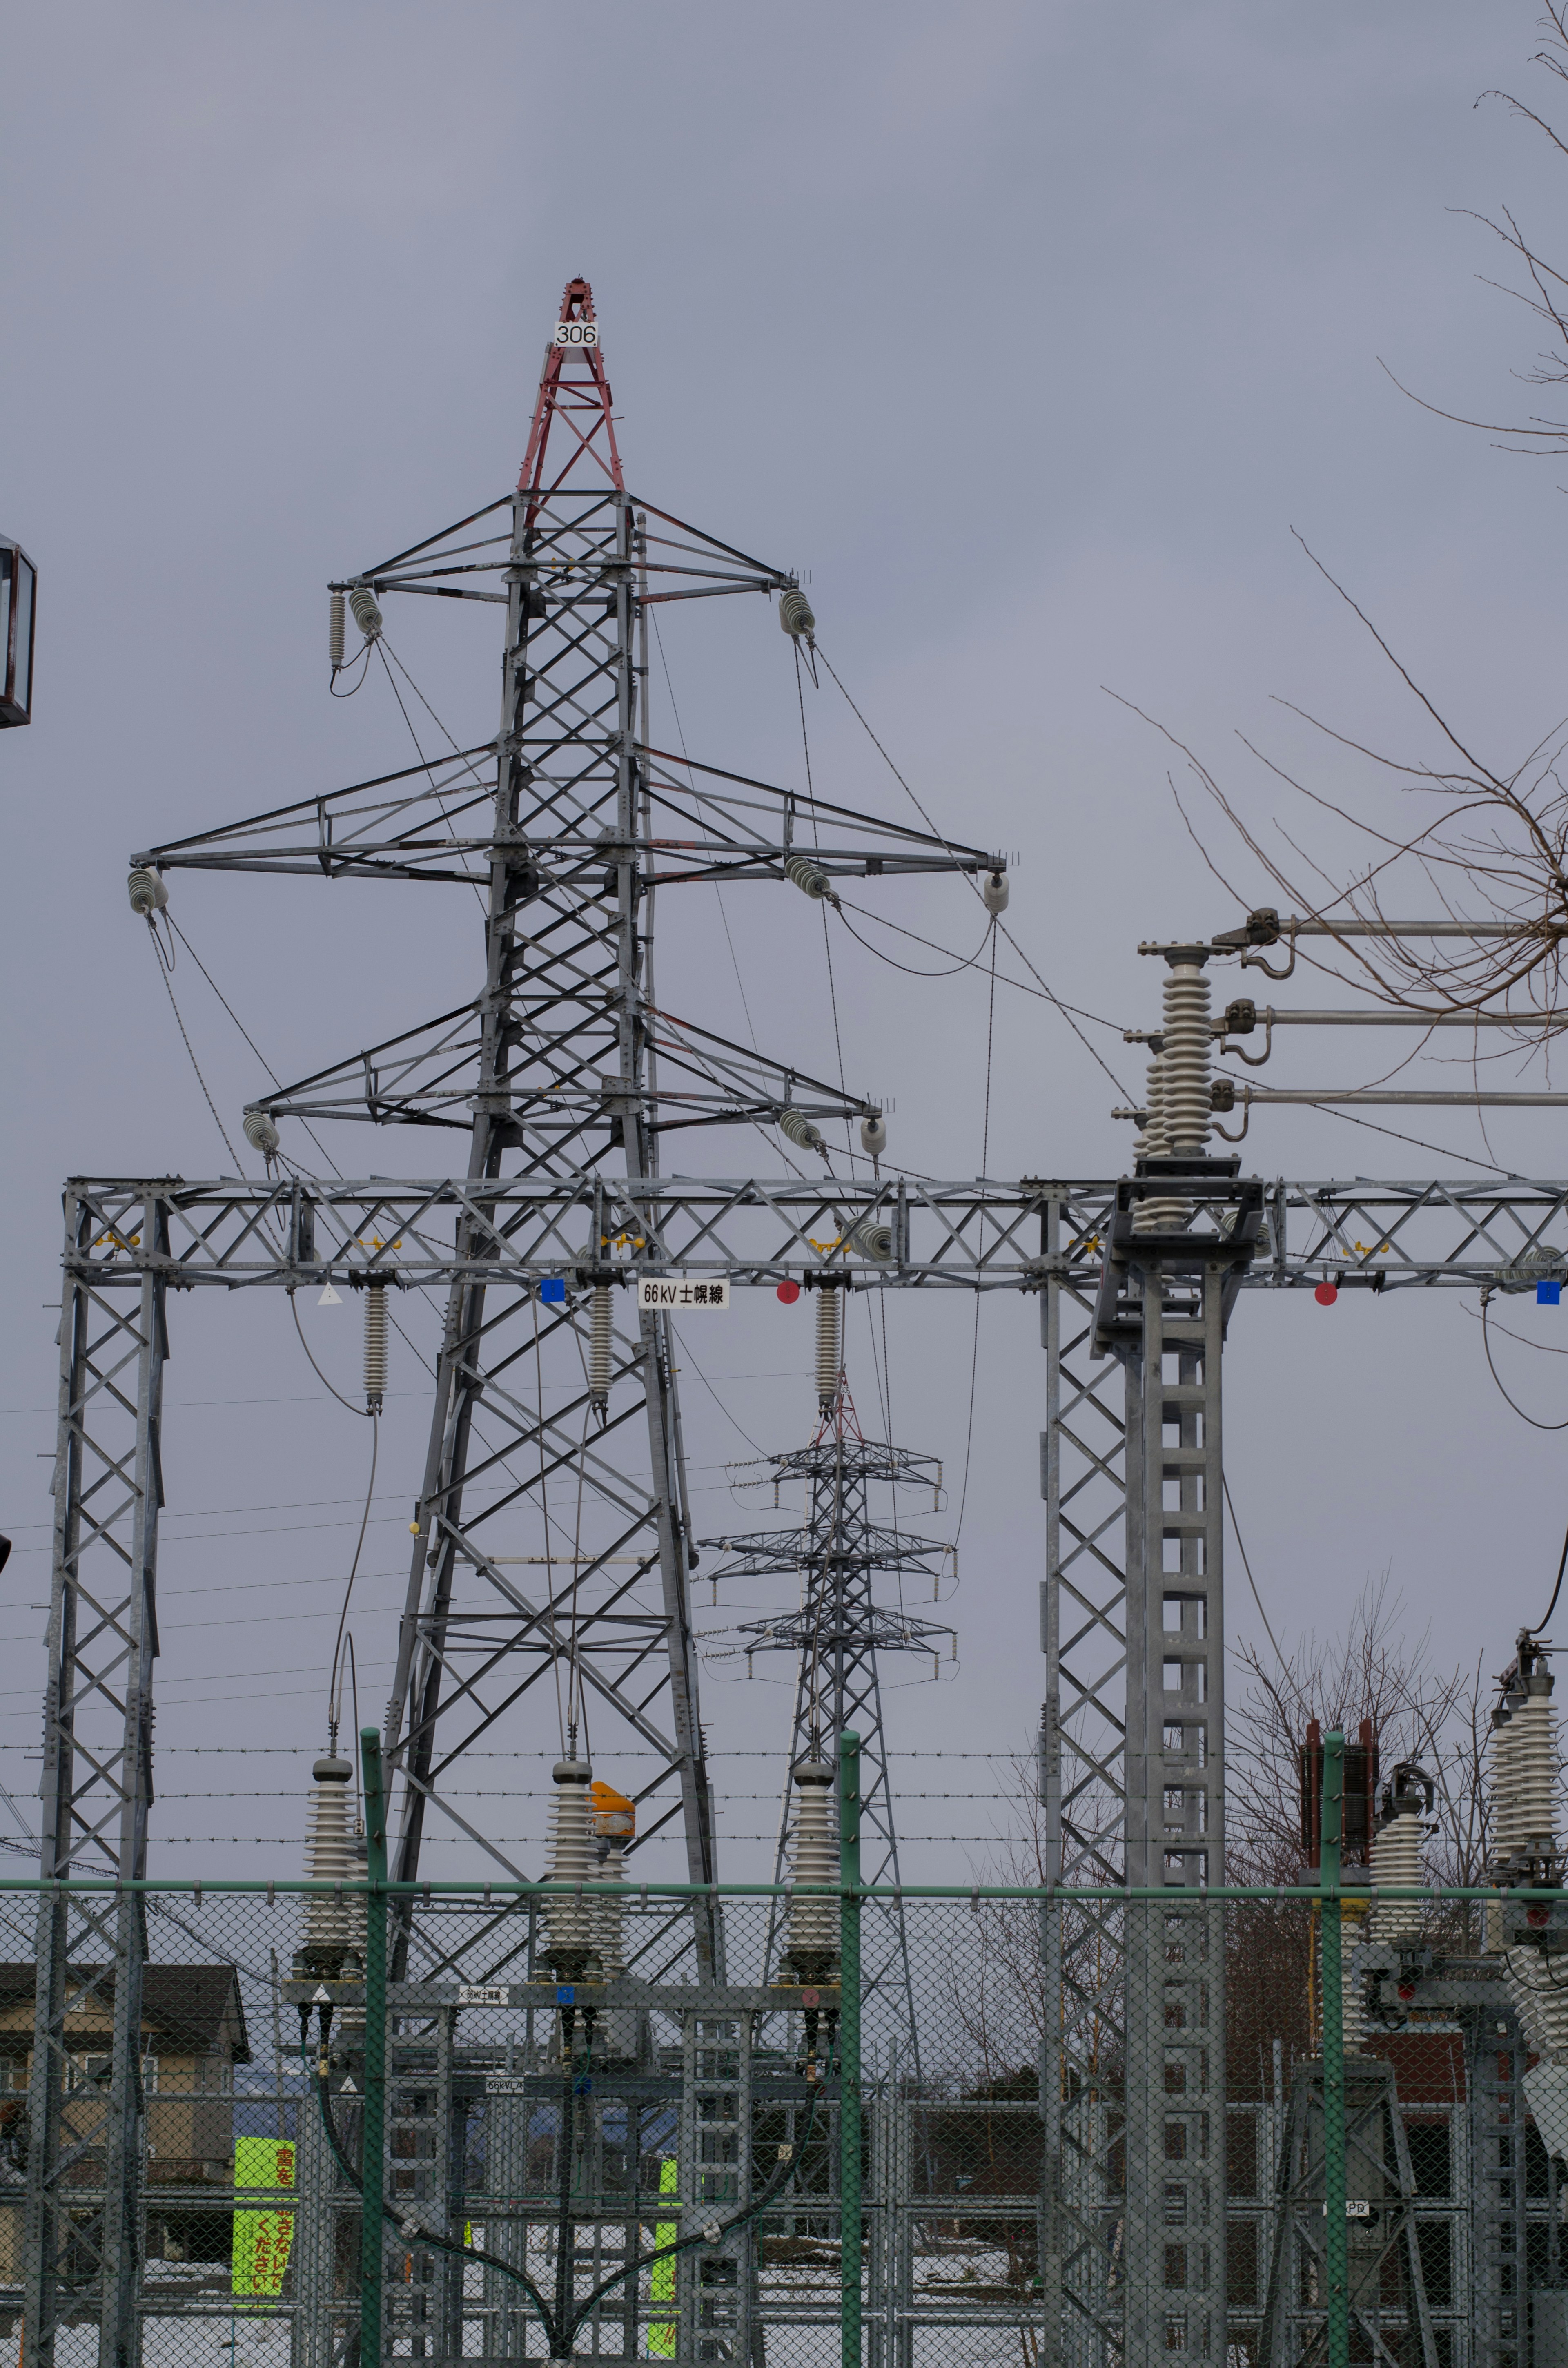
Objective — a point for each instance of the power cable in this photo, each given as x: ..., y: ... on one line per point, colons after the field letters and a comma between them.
x: 179, y: 1024
x: 985, y: 1158
x: 1531, y: 1418
x: 701, y: 802
x: 334, y: 1690
x: 1542, y: 1624
x: 362, y: 1411
x: 1236, y: 1527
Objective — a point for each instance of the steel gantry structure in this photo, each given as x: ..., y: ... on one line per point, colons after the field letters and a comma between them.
x: 562, y: 1075
x: 131, y: 1243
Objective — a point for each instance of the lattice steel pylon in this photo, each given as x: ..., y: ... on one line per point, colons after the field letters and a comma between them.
x: 552, y: 1514
x: 836, y: 1633
x: 1132, y: 1742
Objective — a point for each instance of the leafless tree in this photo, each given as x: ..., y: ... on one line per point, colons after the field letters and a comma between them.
x: 1492, y: 845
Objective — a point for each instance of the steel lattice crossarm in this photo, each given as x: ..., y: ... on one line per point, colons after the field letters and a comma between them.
x: 238, y: 1233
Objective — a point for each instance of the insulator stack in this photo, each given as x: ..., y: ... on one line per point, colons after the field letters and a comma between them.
x: 609, y: 1936
x: 871, y: 1239
x: 1505, y: 1737
x: 795, y: 613
x: 570, y: 1922
x: 335, y: 632
x: 1539, y: 1992
x: 1186, y: 1030
x: 1396, y: 1865
x: 147, y: 892
x: 874, y: 1134
x: 808, y: 877
x: 830, y: 1348
x: 334, y: 1924
x: 994, y: 892
x: 1533, y: 1767
x: 375, y: 1345
x: 813, y: 1858
x: 600, y: 1343
x: 1153, y: 1143
x: 366, y: 615
x: 261, y: 1134
x: 798, y: 1128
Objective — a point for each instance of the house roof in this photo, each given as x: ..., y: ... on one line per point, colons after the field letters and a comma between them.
x: 186, y: 2005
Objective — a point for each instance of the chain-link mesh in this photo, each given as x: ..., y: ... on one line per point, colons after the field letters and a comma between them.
x: 1113, y: 2133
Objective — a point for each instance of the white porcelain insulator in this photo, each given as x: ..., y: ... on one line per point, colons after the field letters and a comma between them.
x: 1539, y: 1987
x: 813, y: 1858
x: 1396, y: 1864
x: 1534, y: 1770
x: 1186, y: 1052
x: 1500, y: 1788
x: 375, y: 1345
x: 330, y: 1922
x: 1154, y: 1143
x: 610, y: 1938
x: 829, y: 1347
x: 600, y: 1341
x: 335, y: 632
x: 571, y: 1922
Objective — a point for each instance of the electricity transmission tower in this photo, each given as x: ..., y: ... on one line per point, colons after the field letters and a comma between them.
x: 836, y: 1633
x: 553, y: 1515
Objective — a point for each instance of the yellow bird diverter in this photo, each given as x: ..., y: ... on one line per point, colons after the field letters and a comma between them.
x: 615, y: 1817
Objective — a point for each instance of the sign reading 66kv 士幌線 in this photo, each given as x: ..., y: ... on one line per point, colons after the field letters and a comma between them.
x: 680, y: 1292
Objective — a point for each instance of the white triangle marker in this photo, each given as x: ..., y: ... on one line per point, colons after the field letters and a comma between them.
x: 329, y: 1298
x: 320, y: 1997
x: 348, y: 2089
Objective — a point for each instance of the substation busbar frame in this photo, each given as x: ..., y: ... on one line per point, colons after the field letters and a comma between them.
x: 129, y: 1242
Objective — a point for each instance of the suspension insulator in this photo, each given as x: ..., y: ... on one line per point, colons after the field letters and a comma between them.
x: 261, y: 1134
x: 599, y: 1345
x: 799, y: 1129
x: 375, y: 1345
x: 807, y: 876
x: 872, y: 1240
x: 366, y: 615
x: 830, y: 1348
x: 335, y: 632
x: 874, y: 1134
x: 813, y: 1861
x: 795, y: 613
x: 1187, y: 1054
x: 995, y: 892
x: 1154, y: 1143
x: 148, y: 893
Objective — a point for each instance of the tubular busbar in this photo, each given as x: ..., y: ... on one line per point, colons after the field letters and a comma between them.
x: 1336, y: 2243
x: 849, y: 2220
x: 372, y: 2236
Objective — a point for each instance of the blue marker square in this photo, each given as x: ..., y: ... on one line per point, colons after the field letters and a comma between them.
x: 1549, y: 1294
x: 552, y: 1291
x: 565, y: 1994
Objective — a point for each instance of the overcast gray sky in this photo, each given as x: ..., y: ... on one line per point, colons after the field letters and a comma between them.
x: 1030, y: 331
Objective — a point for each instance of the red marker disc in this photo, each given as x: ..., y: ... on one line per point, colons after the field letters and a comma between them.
x: 1326, y: 1293
x: 789, y: 1292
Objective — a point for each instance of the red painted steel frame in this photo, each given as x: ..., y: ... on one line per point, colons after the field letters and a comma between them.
x: 572, y: 388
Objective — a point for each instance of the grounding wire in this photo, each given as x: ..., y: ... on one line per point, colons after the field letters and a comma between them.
x: 1531, y: 1418
x: 1490, y: 1165
x: 426, y: 761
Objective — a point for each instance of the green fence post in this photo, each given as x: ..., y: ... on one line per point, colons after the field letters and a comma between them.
x: 1336, y: 2244
x: 849, y: 2215
x: 372, y: 2246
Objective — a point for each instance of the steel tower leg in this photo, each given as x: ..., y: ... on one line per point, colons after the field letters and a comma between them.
x: 83, y: 2232
x: 1132, y: 1770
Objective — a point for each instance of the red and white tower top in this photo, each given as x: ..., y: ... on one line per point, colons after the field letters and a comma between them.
x: 573, y: 401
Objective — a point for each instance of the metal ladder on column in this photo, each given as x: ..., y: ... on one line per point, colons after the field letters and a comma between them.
x: 717, y: 2284
x: 1495, y: 2064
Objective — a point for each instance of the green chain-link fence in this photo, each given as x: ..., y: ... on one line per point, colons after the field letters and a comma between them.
x: 1028, y: 2126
